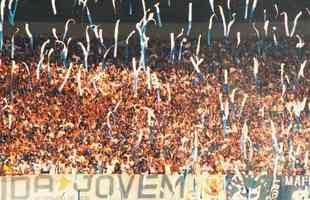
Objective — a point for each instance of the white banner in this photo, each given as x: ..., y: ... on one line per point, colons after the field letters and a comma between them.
x: 111, y: 187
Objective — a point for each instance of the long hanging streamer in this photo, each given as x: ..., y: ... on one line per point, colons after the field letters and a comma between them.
x: 2, y: 6
x: 29, y: 35
x: 295, y: 23
x: 238, y: 39
x: 54, y: 7
x: 282, y: 73
x: 301, y: 70
x: 114, y: 6
x: 12, y: 12
x: 300, y: 43
x: 209, y: 29
x: 266, y: 27
x: 41, y: 58
x: 172, y: 46
x: 224, y: 20
x: 287, y: 32
x: 265, y: 15
x: 246, y: 9
x: 226, y: 76
x: 277, y: 10
x: 130, y: 7
x: 87, y: 38
x: 256, y: 65
x: 230, y: 24
x: 198, y: 45
x: 85, y: 52
x: 66, y: 78
x: 256, y: 30
x: 243, y: 104
x: 190, y: 17
x: 55, y: 34
x: 196, y: 64
x: 13, y: 44
x: 49, y: 75
x: 274, y: 137
x: 253, y: 9
x: 66, y: 28
x: 90, y: 20
x: 228, y: 5
x: 158, y: 14
x: 116, y: 38
x: 181, y: 48
x: 1, y: 37
x: 79, y: 81
x: 212, y: 5
x: 275, y: 36
x: 308, y: 11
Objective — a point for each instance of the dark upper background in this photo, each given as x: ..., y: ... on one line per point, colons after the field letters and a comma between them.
x: 102, y: 11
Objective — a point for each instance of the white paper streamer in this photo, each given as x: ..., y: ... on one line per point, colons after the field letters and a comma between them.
x: 266, y: 25
x: 29, y: 33
x: 172, y: 45
x: 282, y: 73
x: 79, y: 81
x: 300, y: 43
x: 2, y: 6
x: 230, y: 24
x: 246, y: 9
x: 144, y: 7
x: 87, y: 38
x: 224, y: 20
x: 190, y: 18
x: 196, y: 64
x: 275, y: 36
x: 211, y: 22
x: 85, y: 52
x: 228, y: 5
x: 158, y: 14
x: 308, y: 11
x: 256, y: 65
x: 212, y: 5
x: 277, y: 10
x: 301, y: 70
x: 54, y: 7
x: 198, y: 45
x: 190, y: 12
x: 48, y: 62
x: 129, y: 36
x: 243, y: 104
x: 66, y: 78
x: 238, y: 39
x: 232, y: 95
x: 54, y: 33
x: 256, y: 30
x: 225, y: 76
x: 116, y: 38
x: 286, y: 24
x: 101, y: 36
x: 295, y: 23
x: 265, y: 15
x: 114, y: 6
x: 13, y: 44
x: 253, y: 8
x: 67, y: 27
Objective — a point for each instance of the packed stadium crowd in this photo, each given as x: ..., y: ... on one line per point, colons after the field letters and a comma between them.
x: 243, y: 109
